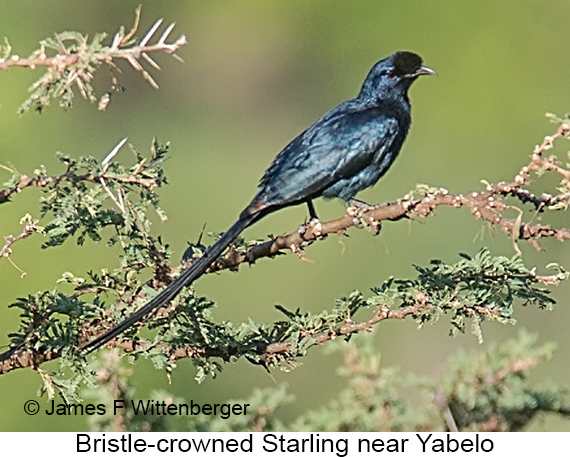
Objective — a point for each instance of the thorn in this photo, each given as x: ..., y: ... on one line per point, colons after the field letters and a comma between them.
x: 116, y: 41
x: 107, y: 160
x: 150, y: 61
x: 166, y: 33
x: 133, y: 61
x: 177, y: 57
x: 150, y: 33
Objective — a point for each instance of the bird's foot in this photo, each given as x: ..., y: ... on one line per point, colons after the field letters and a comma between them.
x: 311, y: 231
x: 360, y: 205
x: 357, y: 211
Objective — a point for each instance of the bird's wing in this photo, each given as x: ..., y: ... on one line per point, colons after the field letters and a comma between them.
x: 337, y: 146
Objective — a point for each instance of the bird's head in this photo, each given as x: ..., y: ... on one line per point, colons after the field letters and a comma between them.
x: 394, y: 75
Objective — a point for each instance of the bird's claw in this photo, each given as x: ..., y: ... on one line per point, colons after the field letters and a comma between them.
x: 310, y: 231
x: 361, y: 206
x: 357, y: 211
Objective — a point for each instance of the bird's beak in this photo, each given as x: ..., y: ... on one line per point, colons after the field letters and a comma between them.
x: 423, y: 70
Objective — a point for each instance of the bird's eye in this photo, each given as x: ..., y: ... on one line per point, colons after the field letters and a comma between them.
x: 390, y: 75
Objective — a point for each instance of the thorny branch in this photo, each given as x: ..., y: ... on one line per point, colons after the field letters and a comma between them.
x: 76, y: 59
x: 43, y: 181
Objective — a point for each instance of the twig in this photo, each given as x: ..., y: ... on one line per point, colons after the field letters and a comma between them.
x: 30, y: 226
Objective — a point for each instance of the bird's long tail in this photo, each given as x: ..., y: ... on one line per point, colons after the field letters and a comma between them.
x: 188, y: 276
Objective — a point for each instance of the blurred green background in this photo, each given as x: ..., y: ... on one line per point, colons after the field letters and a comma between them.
x: 256, y: 73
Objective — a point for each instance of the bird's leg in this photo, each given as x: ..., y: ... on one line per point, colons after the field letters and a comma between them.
x: 312, y: 211
x: 357, y: 210
x: 314, y: 226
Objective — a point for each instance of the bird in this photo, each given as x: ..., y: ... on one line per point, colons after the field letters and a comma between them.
x: 345, y: 151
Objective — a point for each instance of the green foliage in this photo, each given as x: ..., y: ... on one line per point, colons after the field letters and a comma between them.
x: 492, y: 388
x: 487, y: 390
x: 107, y: 202
x: 91, y: 196
x: 478, y: 288
x: 481, y: 391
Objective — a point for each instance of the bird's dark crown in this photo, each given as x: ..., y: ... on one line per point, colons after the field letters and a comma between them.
x: 406, y: 63
x: 392, y: 76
